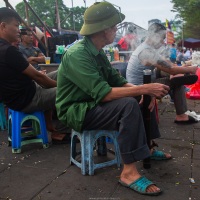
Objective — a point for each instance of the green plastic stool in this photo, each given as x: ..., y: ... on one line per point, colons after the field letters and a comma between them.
x: 18, y: 137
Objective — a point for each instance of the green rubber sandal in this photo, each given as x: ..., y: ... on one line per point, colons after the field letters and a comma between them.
x: 140, y: 186
x: 158, y: 155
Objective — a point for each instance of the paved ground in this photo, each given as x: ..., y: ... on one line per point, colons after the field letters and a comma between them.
x: 45, y: 174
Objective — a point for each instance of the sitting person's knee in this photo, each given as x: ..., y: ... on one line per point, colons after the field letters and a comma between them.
x: 130, y: 101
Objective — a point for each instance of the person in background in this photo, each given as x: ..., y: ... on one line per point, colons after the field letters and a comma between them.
x: 180, y: 57
x: 173, y: 53
x: 129, y: 42
x: 187, y: 54
x: 41, y: 37
x: 147, y: 56
x: 91, y: 95
x: 33, y: 54
x: 191, y: 52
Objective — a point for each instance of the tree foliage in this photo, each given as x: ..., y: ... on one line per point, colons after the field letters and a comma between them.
x: 45, y: 9
x: 189, y: 12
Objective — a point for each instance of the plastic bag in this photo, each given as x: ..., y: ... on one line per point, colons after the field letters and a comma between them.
x: 194, y: 92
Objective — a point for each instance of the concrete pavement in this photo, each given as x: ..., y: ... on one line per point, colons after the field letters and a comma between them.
x: 45, y: 174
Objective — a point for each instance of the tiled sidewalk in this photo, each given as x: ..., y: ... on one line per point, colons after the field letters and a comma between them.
x: 45, y: 174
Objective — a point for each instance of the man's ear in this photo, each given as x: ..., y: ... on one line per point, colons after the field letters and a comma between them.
x: 2, y: 25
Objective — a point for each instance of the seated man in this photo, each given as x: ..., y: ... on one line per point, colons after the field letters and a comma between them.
x: 92, y: 95
x: 180, y: 57
x: 22, y: 87
x: 33, y: 54
x: 146, y: 56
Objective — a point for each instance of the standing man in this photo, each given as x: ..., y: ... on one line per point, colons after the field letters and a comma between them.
x: 33, y: 54
x: 92, y: 95
x: 22, y: 87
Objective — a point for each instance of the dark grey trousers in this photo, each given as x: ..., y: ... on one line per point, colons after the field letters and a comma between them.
x: 178, y: 94
x: 123, y: 115
x: 44, y: 99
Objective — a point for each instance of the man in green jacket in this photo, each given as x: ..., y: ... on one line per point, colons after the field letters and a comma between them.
x: 92, y: 95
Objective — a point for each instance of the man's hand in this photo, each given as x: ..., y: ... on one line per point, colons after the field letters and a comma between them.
x: 31, y: 60
x: 129, y: 90
x: 141, y: 100
x: 43, y: 71
x: 193, y: 69
x: 39, y: 77
x: 152, y: 104
x: 36, y: 60
x: 157, y: 90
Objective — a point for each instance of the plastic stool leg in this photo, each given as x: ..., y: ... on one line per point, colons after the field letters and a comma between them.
x: 16, y: 133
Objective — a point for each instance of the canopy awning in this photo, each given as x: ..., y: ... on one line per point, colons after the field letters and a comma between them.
x: 192, y: 43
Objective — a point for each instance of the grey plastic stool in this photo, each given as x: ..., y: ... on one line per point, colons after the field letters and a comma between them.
x: 87, y: 141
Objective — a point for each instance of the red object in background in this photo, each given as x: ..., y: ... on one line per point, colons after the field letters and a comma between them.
x: 124, y: 42
x: 194, y: 92
x: 48, y: 34
x: 40, y: 34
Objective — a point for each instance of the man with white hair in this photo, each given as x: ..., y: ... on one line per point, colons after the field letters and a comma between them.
x: 147, y: 56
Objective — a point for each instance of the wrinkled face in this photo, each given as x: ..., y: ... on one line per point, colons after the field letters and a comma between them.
x: 110, y: 34
x: 9, y: 30
x: 28, y: 38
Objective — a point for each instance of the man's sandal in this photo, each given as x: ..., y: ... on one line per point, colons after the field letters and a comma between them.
x: 190, y: 120
x: 159, y: 155
x: 140, y: 186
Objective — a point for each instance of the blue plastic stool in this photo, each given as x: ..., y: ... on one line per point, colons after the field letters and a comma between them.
x: 18, y: 137
x: 88, y: 140
x: 108, y: 140
x: 3, y: 121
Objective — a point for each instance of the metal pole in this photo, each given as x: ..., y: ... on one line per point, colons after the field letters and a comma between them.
x: 147, y: 116
x: 73, y: 15
x: 27, y: 14
x: 58, y: 18
x: 84, y: 2
x: 182, y: 37
x: 6, y: 2
x: 38, y: 17
x: 46, y: 41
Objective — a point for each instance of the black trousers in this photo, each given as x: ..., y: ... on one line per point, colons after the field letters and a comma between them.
x: 178, y: 93
x: 123, y: 115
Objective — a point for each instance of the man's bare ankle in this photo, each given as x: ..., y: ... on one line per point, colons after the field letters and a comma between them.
x: 129, y: 177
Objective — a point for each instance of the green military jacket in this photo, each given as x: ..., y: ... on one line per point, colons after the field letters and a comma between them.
x: 85, y: 77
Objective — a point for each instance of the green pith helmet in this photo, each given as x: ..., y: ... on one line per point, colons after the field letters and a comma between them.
x: 100, y: 16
